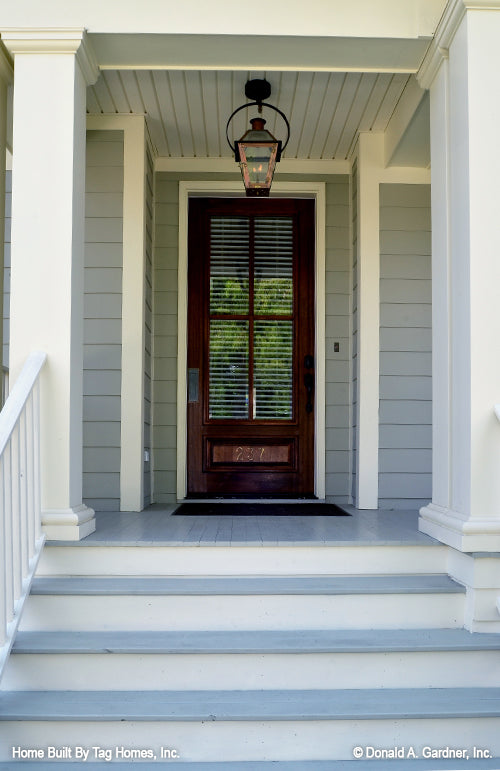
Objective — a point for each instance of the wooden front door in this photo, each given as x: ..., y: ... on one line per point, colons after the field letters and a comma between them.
x: 251, y: 348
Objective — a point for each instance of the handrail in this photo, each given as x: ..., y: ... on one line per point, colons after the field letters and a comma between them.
x: 21, y: 539
x: 4, y: 386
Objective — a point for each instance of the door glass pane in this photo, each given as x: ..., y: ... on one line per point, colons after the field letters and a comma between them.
x: 228, y: 392
x: 229, y: 264
x: 273, y: 362
x: 273, y: 265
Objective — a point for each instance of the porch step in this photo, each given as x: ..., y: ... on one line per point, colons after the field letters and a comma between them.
x: 243, y: 602
x: 222, y: 725
x: 228, y: 706
x: 366, y: 555
x: 280, y: 659
x: 247, y: 585
x: 265, y: 641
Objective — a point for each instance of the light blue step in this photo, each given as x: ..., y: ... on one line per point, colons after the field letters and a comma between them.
x: 265, y: 641
x: 248, y: 585
x: 189, y: 706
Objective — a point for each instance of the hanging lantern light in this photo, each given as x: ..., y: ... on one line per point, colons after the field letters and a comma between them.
x: 258, y: 151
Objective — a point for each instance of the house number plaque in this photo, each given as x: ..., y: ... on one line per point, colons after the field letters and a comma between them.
x: 250, y: 453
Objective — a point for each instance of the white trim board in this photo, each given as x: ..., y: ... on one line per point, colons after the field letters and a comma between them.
x: 314, y: 190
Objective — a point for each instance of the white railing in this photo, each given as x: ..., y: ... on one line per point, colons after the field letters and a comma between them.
x: 21, y: 539
x: 4, y: 386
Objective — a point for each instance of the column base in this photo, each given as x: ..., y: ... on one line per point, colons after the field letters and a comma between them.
x: 68, y: 524
x: 466, y: 535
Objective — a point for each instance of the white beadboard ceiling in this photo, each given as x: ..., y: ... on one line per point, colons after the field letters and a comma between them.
x: 187, y: 110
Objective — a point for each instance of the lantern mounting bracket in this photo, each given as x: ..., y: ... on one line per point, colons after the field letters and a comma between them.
x: 258, y: 90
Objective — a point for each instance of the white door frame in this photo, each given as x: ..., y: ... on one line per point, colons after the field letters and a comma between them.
x: 314, y: 190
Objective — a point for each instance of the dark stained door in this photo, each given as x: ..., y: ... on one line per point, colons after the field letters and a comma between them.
x: 251, y: 348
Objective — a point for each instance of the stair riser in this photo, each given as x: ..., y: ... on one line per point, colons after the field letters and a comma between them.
x: 256, y: 740
x: 251, y: 671
x: 122, y: 612
x: 241, y: 560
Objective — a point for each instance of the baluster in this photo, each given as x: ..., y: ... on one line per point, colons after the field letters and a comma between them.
x: 3, y: 555
x: 30, y: 474
x: 16, y: 515
x: 23, y: 502
x: 36, y: 460
x: 9, y: 577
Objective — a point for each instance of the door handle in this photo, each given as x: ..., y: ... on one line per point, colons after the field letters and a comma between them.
x: 309, y: 384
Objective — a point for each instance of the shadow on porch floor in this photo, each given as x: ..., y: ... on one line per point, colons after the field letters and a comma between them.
x: 156, y: 525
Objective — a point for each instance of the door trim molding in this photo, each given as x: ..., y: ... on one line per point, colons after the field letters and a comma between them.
x: 314, y: 190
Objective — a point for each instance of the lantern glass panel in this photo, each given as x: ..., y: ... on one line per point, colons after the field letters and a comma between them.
x: 257, y: 162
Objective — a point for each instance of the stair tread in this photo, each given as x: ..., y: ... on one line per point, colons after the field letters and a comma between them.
x: 362, y: 704
x: 265, y: 641
x: 247, y: 585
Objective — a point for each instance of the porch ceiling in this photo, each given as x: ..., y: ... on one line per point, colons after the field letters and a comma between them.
x: 187, y: 110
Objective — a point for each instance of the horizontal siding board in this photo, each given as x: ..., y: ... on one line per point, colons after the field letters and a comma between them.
x: 418, y: 267
x: 101, y: 459
x: 337, y: 438
x: 104, y: 204
x: 394, y: 437
x: 104, y: 180
x: 101, y: 408
x: 102, y: 357
x: 337, y: 416
x: 337, y: 461
x: 395, y: 290
x: 405, y: 387
x: 336, y: 327
x: 405, y: 412
x: 338, y: 484
x: 415, y: 461
x: 103, y: 280
x: 405, y: 485
x: 102, y: 382
x: 102, y: 331
x: 405, y: 363
x: 104, y: 230
x: 405, y: 218
x: 404, y: 339
x: 405, y: 315
x: 404, y: 242
x: 102, y: 434
x: 108, y: 153
x: 413, y: 196
x: 108, y: 255
x: 102, y: 485
x: 95, y: 135
x: 92, y: 306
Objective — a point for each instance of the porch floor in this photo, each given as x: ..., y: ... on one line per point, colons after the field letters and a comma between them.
x: 157, y: 525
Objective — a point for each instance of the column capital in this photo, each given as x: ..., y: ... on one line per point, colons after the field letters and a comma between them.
x: 6, y: 69
x: 71, y: 40
x: 445, y: 32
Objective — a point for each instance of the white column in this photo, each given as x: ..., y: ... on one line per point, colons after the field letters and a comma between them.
x: 370, y: 165
x: 462, y: 73
x: 51, y: 71
x: 6, y: 76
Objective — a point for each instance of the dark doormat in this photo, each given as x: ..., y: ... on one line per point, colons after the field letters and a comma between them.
x: 262, y: 509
